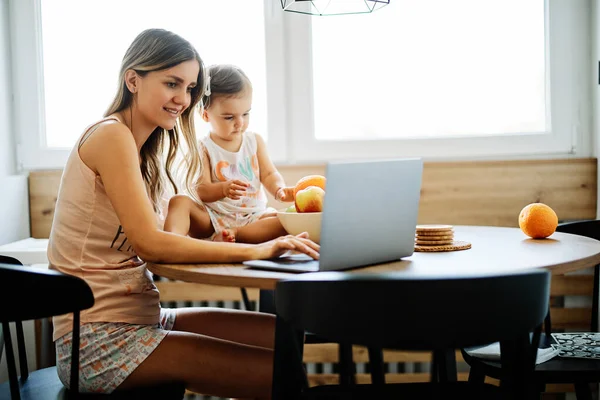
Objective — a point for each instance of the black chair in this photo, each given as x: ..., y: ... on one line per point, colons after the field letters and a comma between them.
x: 398, y: 311
x: 579, y: 372
x: 28, y: 293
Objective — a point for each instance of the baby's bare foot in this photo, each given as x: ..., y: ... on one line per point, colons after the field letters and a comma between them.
x: 226, y: 235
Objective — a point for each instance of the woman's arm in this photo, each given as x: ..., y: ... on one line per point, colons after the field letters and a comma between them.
x: 269, y: 176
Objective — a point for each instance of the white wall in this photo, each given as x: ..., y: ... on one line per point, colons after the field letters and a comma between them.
x: 14, y: 207
x: 7, y: 147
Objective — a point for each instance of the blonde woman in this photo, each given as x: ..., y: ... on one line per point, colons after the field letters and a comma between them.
x: 106, y: 226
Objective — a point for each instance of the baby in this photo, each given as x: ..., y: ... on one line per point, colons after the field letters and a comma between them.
x: 236, y: 170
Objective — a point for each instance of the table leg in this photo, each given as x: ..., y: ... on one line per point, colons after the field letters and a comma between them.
x: 245, y: 299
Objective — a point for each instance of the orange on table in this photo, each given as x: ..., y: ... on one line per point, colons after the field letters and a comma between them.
x: 309, y: 180
x: 537, y: 220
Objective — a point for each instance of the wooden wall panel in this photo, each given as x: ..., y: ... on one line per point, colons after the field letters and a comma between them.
x: 459, y: 193
x: 43, y: 189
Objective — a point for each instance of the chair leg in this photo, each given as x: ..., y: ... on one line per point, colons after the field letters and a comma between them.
x: 518, y: 362
x: 289, y: 377
x: 75, y: 340
x: 583, y: 391
x: 476, y: 376
x: 246, y: 299
x: 266, y: 301
x: 347, y: 370
x: 1, y: 342
x: 22, y: 350
x: 548, y: 324
x: 444, y: 366
x: 595, y: 327
x: 377, y: 366
x: 10, y: 362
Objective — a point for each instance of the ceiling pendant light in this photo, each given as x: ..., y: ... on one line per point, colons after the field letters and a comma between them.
x: 332, y: 7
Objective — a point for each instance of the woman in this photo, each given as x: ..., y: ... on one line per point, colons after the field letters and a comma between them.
x: 106, y: 226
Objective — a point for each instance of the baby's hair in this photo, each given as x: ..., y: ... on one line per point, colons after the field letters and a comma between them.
x: 225, y: 80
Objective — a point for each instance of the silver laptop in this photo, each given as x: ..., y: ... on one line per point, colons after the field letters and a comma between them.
x: 369, y: 217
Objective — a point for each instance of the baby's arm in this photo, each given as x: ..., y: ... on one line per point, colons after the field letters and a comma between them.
x: 209, y: 191
x: 269, y: 176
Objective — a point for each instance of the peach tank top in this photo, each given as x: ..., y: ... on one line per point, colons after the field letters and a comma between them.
x: 88, y: 241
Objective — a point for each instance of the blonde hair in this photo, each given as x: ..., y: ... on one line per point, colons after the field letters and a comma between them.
x: 155, y: 50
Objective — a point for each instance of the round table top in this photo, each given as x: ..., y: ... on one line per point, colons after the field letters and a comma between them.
x: 494, y: 250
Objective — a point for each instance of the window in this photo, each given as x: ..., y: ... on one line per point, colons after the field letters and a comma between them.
x: 430, y: 78
x: 439, y: 72
x: 443, y: 79
x: 81, y: 44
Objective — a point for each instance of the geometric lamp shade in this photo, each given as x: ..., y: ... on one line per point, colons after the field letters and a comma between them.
x: 332, y: 7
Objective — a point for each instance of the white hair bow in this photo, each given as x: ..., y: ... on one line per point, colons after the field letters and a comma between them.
x: 207, y: 90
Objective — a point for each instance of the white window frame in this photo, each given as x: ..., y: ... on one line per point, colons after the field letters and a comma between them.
x: 290, y: 115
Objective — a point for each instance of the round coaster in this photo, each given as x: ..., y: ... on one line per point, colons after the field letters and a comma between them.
x: 435, y: 237
x: 456, y: 245
x: 433, y: 242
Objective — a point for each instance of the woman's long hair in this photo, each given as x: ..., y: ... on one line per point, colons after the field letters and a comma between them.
x: 155, y: 50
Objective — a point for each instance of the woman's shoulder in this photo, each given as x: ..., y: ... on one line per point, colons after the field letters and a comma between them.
x: 104, y: 140
x: 108, y: 129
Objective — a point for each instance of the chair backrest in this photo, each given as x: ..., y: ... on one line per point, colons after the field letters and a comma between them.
x: 588, y: 228
x: 403, y: 312
x: 591, y: 229
x: 31, y: 293
x: 9, y: 260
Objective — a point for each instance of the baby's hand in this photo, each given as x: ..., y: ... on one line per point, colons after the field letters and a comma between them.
x: 285, y: 194
x: 234, y: 189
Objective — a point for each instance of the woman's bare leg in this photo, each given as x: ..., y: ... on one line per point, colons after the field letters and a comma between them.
x: 259, y: 328
x: 246, y: 327
x: 207, y: 365
x: 260, y: 231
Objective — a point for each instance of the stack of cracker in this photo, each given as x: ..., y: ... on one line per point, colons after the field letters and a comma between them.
x: 438, y: 238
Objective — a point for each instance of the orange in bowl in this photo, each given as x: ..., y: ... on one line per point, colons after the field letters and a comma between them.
x: 537, y: 220
x: 309, y: 180
x: 295, y: 223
